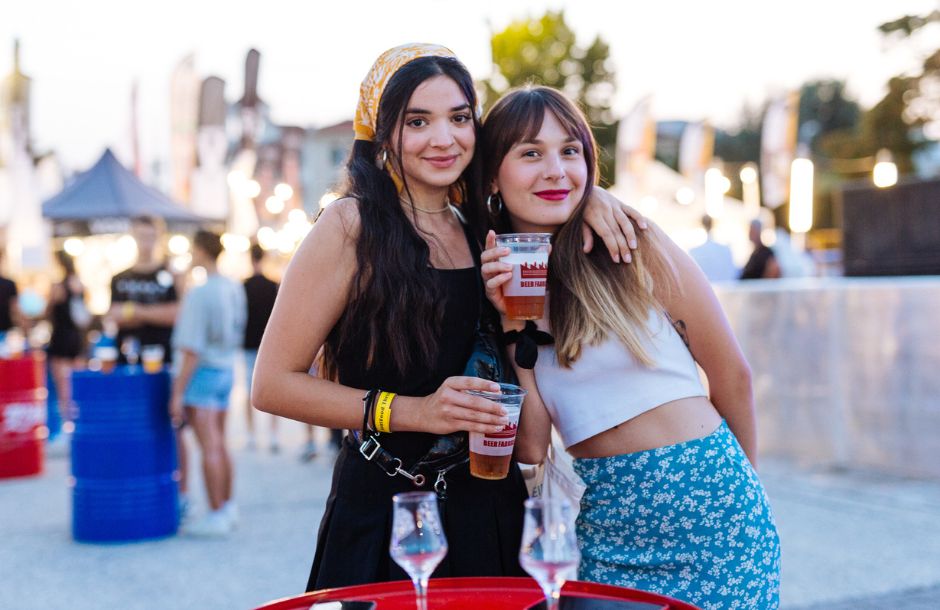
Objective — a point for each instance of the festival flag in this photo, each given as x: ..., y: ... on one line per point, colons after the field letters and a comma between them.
x: 184, y: 108
x: 636, y: 144
x: 135, y: 132
x: 696, y: 149
x: 778, y: 148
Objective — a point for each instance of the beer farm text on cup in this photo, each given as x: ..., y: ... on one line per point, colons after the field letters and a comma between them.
x: 525, y: 292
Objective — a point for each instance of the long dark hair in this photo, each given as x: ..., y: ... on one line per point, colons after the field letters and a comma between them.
x: 590, y: 296
x: 65, y: 261
x: 395, y: 300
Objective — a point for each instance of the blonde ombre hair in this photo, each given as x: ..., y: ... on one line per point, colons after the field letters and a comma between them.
x: 591, y: 298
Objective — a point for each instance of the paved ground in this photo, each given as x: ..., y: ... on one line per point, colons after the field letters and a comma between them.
x: 850, y: 540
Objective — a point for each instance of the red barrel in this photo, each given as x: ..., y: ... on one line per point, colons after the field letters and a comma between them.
x: 22, y: 415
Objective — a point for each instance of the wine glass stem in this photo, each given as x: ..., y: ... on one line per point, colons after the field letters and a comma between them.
x: 421, y: 593
x: 552, y: 596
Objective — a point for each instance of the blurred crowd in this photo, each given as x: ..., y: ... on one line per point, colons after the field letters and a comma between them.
x: 198, y: 324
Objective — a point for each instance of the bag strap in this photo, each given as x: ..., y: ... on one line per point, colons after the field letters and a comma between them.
x: 371, y: 449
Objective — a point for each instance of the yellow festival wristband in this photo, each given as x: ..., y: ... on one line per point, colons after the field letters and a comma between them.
x: 383, y: 412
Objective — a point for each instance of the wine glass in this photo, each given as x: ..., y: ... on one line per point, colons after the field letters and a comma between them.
x: 418, y: 543
x: 130, y: 347
x: 549, y: 550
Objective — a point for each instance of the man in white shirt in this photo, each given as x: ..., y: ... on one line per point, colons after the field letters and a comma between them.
x: 714, y: 258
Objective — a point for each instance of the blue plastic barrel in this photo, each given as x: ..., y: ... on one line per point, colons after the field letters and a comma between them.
x: 123, y: 457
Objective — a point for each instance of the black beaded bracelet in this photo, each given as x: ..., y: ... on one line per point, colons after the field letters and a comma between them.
x: 368, y: 411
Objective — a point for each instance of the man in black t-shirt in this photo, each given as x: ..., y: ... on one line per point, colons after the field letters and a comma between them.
x: 144, y: 304
x: 144, y: 298
x: 260, y: 293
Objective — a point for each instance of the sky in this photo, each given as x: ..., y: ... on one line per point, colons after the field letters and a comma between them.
x: 699, y: 60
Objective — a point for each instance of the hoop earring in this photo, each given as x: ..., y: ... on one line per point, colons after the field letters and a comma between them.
x: 499, y: 204
x: 381, y: 162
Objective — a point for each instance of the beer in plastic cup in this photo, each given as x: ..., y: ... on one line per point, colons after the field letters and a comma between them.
x: 525, y: 292
x: 14, y: 344
x: 491, y: 452
x: 108, y: 355
x: 151, y: 356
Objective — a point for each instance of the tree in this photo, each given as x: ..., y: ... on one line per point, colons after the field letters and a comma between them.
x: 888, y: 124
x: 912, y: 102
x: 824, y: 109
x: 741, y: 143
x: 908, y: 24
x: 545, y: 51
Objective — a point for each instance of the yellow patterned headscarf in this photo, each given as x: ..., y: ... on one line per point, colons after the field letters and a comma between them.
x: 373, y: 86
x: 388, y: 63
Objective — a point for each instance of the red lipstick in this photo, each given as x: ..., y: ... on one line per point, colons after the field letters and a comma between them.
x: 553, y: 195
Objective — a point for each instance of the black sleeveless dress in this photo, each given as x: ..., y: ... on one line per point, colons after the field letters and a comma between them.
x: 65, y: 340
x: 482, y: 519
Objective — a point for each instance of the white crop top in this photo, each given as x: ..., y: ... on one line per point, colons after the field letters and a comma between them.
x: 606, y: 386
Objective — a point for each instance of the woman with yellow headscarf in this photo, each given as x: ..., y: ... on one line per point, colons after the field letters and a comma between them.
x: 388, y: 285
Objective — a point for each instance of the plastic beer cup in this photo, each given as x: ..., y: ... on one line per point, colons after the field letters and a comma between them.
x: 152, y: 358
x: 108, y: 356
x: 491, y: 452
x: 525, y: 292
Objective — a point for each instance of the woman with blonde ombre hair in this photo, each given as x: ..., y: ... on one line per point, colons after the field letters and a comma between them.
x: 388, y: 284
x: 672, y: 502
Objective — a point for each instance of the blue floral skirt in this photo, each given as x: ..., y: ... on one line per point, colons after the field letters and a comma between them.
x: 690, y: 521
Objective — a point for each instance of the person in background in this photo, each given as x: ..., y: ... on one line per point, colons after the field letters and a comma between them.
x: 207, y: 337
x: 10, y: 316
x: 144, y: 306
x: 145, y: 297
x: 793, y: 261
x: 309, y: 450
x: 67, y: 340
x: 763, y: 263
x: 714, y: 258
x: 260, y: 293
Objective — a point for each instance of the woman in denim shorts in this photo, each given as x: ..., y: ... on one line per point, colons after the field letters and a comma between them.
x: 207, y: 339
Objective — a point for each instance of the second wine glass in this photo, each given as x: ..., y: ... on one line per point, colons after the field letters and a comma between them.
x: 418, y: 543
x: 549, y: 550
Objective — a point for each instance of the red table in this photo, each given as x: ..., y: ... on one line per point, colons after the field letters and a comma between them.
x: 471, y: 594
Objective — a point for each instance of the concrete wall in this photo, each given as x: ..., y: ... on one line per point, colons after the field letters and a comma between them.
x: 846, y: 371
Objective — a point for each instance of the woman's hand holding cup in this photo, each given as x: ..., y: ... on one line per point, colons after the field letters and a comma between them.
x: 451, y: 409
x: 495, y: 273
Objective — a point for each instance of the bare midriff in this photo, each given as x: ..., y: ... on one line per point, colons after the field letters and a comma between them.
x: 674, y: 422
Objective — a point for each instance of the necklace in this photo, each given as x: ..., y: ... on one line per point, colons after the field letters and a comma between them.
x: 426, y: 210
